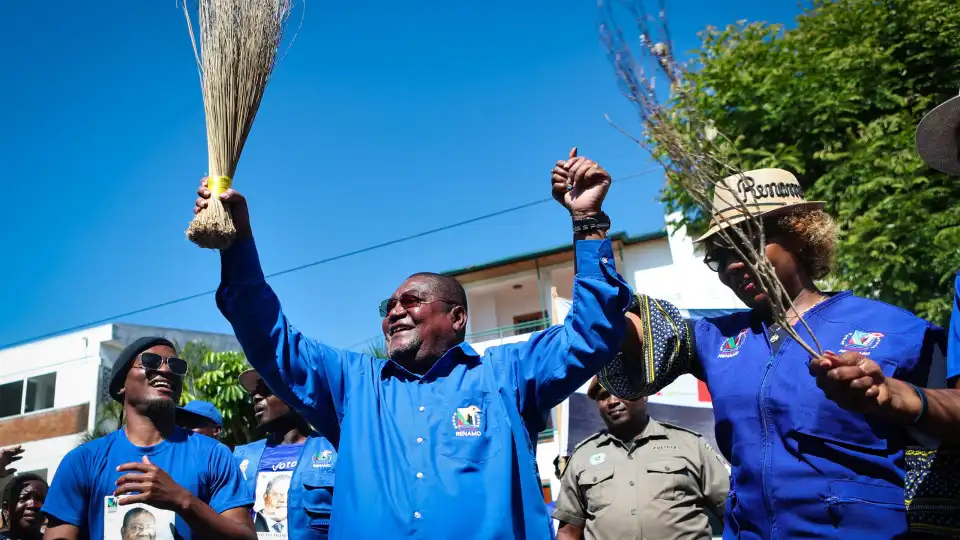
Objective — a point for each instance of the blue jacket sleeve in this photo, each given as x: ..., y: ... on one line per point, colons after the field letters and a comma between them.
x: 305, y: 374
x: 552, y: 364
x: 953, y: 338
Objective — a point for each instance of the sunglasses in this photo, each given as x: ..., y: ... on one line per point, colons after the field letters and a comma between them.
x: 408, y: 301
x: 154, y: 361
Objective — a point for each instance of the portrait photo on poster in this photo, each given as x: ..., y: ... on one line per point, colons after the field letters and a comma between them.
x: 270, y: 506
x: 137, y: 522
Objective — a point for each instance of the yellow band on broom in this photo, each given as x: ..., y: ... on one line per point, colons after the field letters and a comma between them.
x: 218, y: 184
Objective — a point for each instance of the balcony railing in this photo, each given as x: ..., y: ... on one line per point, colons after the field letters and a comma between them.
x: 546, y: 435
x: 507, y: 331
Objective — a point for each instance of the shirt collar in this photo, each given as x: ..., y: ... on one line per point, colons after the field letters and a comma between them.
x: 653, y: 430
x: 462, y: 353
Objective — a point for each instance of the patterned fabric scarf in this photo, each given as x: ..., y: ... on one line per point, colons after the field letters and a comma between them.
x: 932, y: 492
x: 667, y: 349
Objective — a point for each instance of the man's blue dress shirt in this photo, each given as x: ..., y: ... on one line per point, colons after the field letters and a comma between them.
x: 452, y: 453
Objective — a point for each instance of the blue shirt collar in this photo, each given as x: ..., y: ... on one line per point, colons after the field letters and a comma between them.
x: 462, y: 353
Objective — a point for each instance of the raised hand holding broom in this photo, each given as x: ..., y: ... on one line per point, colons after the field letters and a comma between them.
x: 238, y: 45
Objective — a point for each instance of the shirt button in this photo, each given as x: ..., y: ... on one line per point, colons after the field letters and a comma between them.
x: 419, y: 475
x: 422, y: 408
x: 416, y: 515
x: 630, y: 456
x: 633, y: 512
x: 419, y: 440
x: 632, y: 483
x: 667, y: 468
x: 603, y: 260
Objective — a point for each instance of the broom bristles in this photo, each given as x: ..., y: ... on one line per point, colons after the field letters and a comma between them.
x: 238, y: 45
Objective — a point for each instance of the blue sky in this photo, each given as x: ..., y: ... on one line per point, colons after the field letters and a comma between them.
x: 383, y: 120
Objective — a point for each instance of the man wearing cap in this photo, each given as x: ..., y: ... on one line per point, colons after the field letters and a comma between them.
x: 291, y: 471
x: 439, y: 441
x: 803, y: 464
x: 189, y: 483
x: 201, y: 417
x: 640, y: 478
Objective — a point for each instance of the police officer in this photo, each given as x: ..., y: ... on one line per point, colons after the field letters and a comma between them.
x: 640, y: 479
x: 290, y: 471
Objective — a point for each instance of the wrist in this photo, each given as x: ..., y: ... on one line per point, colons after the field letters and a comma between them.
x: 590, y: 228
x: 184, y: 503
x: 905, y: 405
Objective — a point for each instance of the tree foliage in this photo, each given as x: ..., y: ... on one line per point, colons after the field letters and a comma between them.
x: 836, y: 100
x: 213, y: 377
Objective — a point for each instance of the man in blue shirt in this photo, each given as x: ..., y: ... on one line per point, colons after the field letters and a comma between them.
x: 149, y: 477
x: 290, y: 471
x: 201, y: 417
x: 438, y: 441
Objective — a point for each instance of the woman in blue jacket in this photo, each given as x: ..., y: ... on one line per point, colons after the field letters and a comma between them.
x: 802, y: 465
x: 290, y: 471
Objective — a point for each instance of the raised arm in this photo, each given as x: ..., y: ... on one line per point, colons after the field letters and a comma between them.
x: 658, y: 347
x: 554, y: 363
x: 302, y: 372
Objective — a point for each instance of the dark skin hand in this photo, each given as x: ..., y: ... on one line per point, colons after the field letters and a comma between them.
x: 9, y: 455
x: 154, y: 486
x: 580, y: 185
x: 856, y: 383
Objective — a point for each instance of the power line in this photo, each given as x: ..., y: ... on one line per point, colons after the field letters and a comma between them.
x: 307, y: 265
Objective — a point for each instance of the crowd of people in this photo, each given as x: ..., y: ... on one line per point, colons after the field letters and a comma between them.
x: 439, y: 441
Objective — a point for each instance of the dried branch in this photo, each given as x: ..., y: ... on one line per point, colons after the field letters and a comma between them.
x: 692, y: 151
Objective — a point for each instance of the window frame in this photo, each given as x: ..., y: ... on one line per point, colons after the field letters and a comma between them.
x: 23, y: 394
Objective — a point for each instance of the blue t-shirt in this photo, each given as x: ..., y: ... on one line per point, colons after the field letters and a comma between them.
x: 273, y: 482
x: 82, y: 490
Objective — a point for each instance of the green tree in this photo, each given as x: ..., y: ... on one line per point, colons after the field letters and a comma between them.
x: 213, y: 378
x: 837, y: 100
x: 107, y: 420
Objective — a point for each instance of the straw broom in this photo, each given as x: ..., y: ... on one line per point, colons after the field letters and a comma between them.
x: 238, y: 45
x: 694, y: 154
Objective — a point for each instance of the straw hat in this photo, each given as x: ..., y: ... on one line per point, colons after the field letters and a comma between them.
x: 764, y: 192
x: 938, y: 137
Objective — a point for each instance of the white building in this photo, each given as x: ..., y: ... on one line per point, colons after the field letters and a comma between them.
x: 50, y: 390
x: 511, y: 298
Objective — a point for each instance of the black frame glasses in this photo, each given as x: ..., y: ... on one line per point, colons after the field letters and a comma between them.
x: 154, y: 362
x: 718, y: 256
x: 408, y: 301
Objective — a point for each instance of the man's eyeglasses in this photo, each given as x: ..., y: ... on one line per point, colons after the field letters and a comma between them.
x: 408, y: 301
x: 154, y: 361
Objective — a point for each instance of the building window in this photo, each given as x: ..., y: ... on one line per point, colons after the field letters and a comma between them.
x: 11, y: 396
x: 28, y: 395
x: 529, y: 323
x: 40, y: 392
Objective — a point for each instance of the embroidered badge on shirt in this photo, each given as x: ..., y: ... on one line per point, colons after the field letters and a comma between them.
x: 731, y: 346
x: 243, y: 467
x: 860, y: 341
x: 466, y: 420
x: 598, y: 458
x: 323, y: 460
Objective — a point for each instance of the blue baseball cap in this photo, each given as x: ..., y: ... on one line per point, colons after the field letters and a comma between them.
x: 203, y: 409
